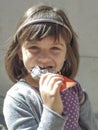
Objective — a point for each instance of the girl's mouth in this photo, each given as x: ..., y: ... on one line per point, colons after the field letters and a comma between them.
x: 38, y: 71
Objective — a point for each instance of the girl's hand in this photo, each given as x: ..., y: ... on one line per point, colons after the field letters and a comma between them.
x: 49, y: 86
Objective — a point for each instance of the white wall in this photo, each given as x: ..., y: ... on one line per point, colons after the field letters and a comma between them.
x: 84, y: 18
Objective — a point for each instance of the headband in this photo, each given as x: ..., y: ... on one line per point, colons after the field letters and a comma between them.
x: 35, y: 21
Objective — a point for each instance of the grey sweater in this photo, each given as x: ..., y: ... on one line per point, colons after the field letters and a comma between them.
x: 23, y: 110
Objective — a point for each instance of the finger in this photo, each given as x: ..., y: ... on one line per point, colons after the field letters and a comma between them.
x: 57, y: 86
x: 47, y: 78
x: 55, y: 80
x: 43, y: 78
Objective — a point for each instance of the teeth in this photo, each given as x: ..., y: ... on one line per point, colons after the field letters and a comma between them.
x: 49, y: 67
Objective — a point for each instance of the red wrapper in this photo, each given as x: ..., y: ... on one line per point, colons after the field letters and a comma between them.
x: 68, y: 83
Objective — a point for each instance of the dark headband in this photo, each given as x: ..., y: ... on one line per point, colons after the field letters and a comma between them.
x: 34, y: 21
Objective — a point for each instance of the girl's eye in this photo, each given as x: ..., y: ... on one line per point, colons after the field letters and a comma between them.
x: 34, y: 48
x: 55, y: 48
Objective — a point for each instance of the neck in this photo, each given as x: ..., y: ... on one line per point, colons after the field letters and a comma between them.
x: 32, y: 82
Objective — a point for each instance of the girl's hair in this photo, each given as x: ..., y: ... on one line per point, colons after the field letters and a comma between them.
x: 37, y: 23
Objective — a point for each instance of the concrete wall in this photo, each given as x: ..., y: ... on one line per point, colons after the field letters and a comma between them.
x: 83, y: 15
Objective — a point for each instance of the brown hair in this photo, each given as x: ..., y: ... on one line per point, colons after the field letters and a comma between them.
x: 37, y: 31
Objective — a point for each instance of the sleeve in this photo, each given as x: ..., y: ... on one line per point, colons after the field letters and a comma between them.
x: 54, y: 121
x: 18, y: 116
x: 87, y: 119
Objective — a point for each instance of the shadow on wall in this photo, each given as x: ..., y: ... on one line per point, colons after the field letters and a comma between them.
x: 2, y: 122
x: 96, y: 115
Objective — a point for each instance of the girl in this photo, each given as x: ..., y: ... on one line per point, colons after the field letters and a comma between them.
x: 44, y: 37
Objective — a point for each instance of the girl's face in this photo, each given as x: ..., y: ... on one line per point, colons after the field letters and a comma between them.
x: 45, y: 53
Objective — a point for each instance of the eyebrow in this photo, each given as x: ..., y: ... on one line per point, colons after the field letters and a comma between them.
x: 54, y: 43
x: 59, y: 43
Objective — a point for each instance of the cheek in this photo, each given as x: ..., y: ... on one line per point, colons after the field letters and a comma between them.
x: 60, y: 61
x: 26, y: 56
x: 27, y: 60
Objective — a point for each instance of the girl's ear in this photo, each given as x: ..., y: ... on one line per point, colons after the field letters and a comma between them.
x: 20, y: 54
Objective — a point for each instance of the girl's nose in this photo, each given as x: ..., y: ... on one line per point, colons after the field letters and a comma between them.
x: 44, y: 57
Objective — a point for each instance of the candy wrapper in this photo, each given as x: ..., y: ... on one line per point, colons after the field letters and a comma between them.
x: 37, y: 72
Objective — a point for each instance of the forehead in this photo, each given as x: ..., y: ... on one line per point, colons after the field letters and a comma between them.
x: 49, y: 40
